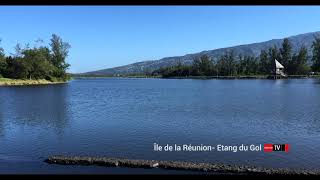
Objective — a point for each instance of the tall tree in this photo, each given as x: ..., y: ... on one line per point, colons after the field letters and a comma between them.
x: 252, y: 65
x: 3, y: 63
x: 300, y: 62
x: 37, y: 62
x: 39, y: 65
x: 18, y: 50
x: 273, y: 54
x: 222, y: 65
x: 241, y: 65
x: 264, y: 63
x: 316, y: 54
x: 286, y: 53
x: 231, y: 64
x: 226, y: 65
x: 60, y: 50
x: 17, y: 68
x: 2, y: 55
x: 203, y: 66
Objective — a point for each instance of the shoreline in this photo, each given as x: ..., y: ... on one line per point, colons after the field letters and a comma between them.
x: 26, y: 82
x: 247, y: 77
x: 205, y: 77
x: 175, y: 165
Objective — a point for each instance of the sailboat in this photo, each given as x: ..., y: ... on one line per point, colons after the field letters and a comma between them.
x: 279, y: 69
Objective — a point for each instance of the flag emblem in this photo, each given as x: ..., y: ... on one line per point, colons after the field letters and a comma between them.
x: 276, y: 147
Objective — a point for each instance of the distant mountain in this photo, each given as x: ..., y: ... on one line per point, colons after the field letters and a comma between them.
x: 248, y: 49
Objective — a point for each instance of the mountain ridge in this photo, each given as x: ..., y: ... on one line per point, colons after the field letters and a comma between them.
x: 251, y: 49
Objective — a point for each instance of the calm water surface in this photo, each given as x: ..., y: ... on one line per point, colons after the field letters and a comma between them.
x: 124, y: 117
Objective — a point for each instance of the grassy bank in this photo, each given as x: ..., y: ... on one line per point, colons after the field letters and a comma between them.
x: 19, y: 82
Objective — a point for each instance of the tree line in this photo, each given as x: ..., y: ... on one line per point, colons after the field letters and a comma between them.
x: 230, y: 65
x: 41, y: 62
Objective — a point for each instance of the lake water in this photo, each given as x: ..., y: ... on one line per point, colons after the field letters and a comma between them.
x: 120, y: 117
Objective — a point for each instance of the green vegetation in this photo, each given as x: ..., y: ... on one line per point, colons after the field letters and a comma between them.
x: 228, y: 65
x: 38, y: 63
x: 316, y: 54
x: 133, y: 75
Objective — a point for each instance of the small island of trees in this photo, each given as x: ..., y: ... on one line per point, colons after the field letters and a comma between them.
x: 230, y: 65
x: 48, y: 63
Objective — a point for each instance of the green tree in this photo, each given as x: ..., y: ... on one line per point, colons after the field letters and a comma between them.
x: 17, y: 68
x: 39, y: 65
x: 203, y: 66
x: 316, y: 54
x: 60, y: 50
x: 221, y: 66
x: 3, y: 63
x: 273, y: 54
x: 231, y: 63
x: 226, y: 65
x: 179, y: 68
x: 38, y: 62
x: 300, y: 62
x: 248, y: 65
x: 241, y: 65
x: 18, y: 50
x: 264, y: 63
x: 252, y: 65
x: 286, y: 54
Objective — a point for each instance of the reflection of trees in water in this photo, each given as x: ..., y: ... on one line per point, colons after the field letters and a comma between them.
x: 45, y: 106
x: 1, y: 121
x: 2, y: 95
x: 316, y: 81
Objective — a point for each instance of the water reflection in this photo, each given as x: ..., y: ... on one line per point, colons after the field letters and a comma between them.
x: 1, y: 114
x: 316, y: 81
x: 45, y: 106
x: 106, y: 116
x: 1, y: 123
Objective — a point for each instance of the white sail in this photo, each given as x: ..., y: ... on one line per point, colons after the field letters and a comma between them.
x: 278, y: 65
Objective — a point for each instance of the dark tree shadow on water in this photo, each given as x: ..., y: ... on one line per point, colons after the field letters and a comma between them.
x: 2, y: 96
x: 1, y: 125
x: 316, y: 81
x: 44, y: 106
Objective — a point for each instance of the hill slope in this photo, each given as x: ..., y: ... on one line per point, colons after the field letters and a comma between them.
x: 253, y: 49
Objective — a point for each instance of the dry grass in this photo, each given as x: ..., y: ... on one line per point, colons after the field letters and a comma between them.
x: 17, y: 82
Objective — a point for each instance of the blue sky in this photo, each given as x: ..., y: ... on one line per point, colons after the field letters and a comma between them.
x: 108, y: 36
